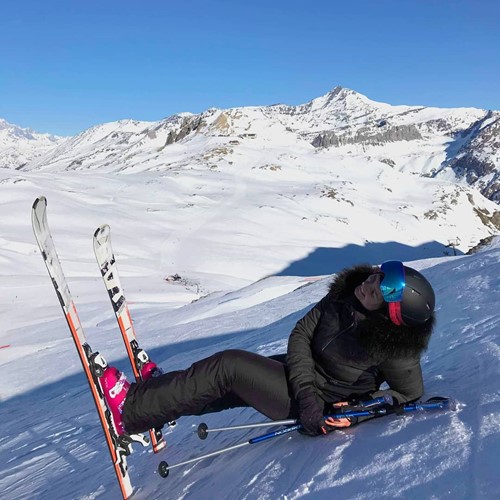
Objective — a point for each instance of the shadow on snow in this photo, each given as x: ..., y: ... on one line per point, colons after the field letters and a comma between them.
x: 52, y: 431
x: 323, y: 261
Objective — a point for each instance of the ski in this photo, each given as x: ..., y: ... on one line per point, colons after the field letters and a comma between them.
x: 138, y: 357
x: 92, y: 362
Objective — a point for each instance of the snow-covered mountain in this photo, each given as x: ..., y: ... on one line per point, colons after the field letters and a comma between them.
x: 337, y: 171
x: 459, y: 144
x: 19, y: 146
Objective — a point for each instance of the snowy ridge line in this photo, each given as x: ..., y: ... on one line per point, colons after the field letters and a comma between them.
x: 456, y: 144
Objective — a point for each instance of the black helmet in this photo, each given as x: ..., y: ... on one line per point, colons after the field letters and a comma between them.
x: 418, y: 302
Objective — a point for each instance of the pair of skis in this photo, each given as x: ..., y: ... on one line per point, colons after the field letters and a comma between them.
x: 93, y: 363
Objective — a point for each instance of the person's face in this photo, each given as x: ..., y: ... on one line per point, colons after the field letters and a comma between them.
x: 369, y: 294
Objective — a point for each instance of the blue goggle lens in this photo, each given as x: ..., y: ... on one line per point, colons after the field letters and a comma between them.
x: 393, y: 283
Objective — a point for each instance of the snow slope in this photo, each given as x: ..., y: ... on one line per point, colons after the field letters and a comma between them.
x: 51, y: 445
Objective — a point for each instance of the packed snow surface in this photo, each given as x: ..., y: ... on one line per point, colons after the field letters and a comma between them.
x: 240, y: 287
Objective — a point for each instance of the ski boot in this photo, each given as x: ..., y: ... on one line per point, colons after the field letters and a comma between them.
x: 149, y: 370
x: 115, y: 387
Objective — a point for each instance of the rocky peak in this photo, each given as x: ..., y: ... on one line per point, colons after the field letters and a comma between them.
x: 478, y: 159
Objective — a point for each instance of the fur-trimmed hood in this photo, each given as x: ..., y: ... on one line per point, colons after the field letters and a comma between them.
x: 377, y: 334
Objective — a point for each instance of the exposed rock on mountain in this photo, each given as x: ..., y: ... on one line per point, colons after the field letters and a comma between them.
x: 433, y: 142
x: 375, y: 135
x: 478, y: 159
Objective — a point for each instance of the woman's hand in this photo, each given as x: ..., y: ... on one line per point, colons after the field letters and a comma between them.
x: 311, y: 413
x: 339, y: 422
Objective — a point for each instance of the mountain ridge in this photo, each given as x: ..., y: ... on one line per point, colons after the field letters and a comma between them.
x: 20, y: 145
x: 341, y: 117
x: 341, y: 168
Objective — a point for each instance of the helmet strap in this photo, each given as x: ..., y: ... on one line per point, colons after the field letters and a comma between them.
x: 395, y: 313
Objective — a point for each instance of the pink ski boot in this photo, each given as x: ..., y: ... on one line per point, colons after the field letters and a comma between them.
x: 115, y: 387
x: 150, y: 369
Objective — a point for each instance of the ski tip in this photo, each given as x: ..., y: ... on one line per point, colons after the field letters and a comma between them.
x: 40, y: 199
x: 102, y: 231
x: 38, y: 213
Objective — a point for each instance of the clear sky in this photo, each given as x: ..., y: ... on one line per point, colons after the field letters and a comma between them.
x: 66, y: 65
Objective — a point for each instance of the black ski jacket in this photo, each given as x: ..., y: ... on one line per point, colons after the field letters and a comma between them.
x: 341, y: 350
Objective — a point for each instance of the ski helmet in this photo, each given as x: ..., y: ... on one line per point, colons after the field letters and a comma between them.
x: 409, y: 295
x: 419, y: 300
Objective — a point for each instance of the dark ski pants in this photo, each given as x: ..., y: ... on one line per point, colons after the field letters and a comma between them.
x: 228, y: 379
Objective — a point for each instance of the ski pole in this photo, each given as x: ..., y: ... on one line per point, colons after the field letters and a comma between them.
x: 203, y: 429
x: 164, y: 468
x: 437, y: 403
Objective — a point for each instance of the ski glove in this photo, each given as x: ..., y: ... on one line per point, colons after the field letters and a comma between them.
x: 312, y: 418
x: 311, y: 413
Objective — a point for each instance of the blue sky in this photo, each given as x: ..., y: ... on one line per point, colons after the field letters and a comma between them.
x: 67, y: 65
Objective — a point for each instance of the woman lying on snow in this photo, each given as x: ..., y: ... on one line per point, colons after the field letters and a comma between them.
x: 371, y: 327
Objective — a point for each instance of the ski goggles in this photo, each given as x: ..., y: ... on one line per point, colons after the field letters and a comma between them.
x: 392, y: 285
